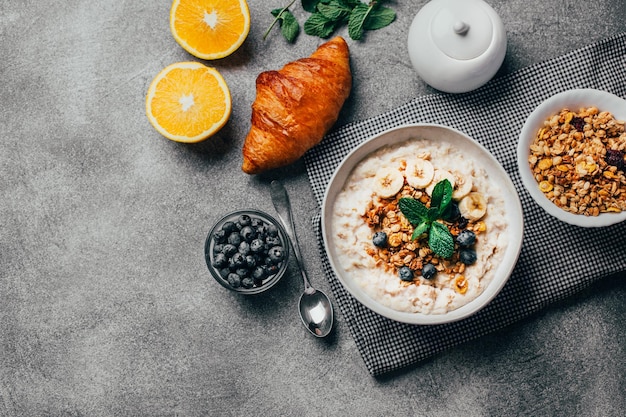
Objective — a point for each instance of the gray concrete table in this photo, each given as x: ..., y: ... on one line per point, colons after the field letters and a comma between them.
x: 106, y: 306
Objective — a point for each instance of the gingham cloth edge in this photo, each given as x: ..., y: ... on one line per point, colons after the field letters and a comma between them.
x: 376, y: 353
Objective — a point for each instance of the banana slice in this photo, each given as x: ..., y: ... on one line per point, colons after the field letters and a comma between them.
x: 388, y: 182
x: 462, y: 186
x: 440, y: 175
x: 473, y: 206
x: 419, y: 173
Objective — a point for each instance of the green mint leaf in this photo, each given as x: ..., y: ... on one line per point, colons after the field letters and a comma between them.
x: 279, y: 16
x: 414, y: 211
x: 357, y: 19
x: 420, y: 230
x: 319, y: 25
x: 334, y: 10
x: 440, y: 240
x: 433, y: 213
x: 310, y: 5
x: 289, y: 26
x: 378, y: 18
x: 442, y: 196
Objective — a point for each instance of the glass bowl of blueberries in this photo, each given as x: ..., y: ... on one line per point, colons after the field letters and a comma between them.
x: 247, y: 251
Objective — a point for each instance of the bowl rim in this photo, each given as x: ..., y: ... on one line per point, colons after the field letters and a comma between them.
x: 209, y: 243
x: 575, y: 98
x: 503, y: 270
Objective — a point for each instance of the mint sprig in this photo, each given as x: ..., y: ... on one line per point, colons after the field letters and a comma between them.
x: 329, y: 15
x: 424, y: 218
x: 289, y: 26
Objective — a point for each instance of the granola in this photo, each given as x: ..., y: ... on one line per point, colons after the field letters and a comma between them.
x: 577, y: 159
x: 384, y: 215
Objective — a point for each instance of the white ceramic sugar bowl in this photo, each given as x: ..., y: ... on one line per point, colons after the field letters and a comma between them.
x: 456, y: 45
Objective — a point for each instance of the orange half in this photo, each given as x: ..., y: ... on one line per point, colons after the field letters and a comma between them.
x: 210, y: 29
x: 188, y: 102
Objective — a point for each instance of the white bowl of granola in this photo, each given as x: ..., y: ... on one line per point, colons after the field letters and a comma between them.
x: 422, y: 225
x: 571, y: 157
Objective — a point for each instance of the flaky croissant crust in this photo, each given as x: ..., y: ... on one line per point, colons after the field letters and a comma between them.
x: 296, y: 106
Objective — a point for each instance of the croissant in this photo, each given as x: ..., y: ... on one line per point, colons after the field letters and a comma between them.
x: 296, y: 106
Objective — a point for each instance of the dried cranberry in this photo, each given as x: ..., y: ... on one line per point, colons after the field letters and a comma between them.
x: 578, y: 123
x: 615, y: 157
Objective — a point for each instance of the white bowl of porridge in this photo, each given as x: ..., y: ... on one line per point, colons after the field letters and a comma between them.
x: 422, y: 225
x: 572, y: 157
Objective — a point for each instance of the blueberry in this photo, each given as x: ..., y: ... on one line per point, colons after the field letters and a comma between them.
x: 250, y: 261
x: 261, y: 231
x: 452, y: 212
x: 229, y: 250
x: 234, y: 280
x: 259, y: 273
x: 229, y: 227
x: 380, y: 239
x: 244, y: 220
x: 237, y: 261
x: 220, y: 260
x: 405, y: 273
x: 244, y: 248
x: 242, y: 272
x: 247, y: 282
x: 218, y: 248
x: 272, y: 241
x: 271, y: 269
x: 224, y: 273
x: 247, y: 233
x: 219, y: 236
x: 234, y: 238
x: 258, y: 259
x: 466, y: 238
x: 467, y: 256
x: 257, y: 246
x: 276, y: 254
x: 272, y: 230
x: 256, y: 222
x: 429, y: 271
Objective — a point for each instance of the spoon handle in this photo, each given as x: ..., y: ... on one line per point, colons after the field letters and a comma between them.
x: 280, y: 199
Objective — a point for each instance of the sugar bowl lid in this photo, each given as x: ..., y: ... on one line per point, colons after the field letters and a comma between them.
x: 457, y: 45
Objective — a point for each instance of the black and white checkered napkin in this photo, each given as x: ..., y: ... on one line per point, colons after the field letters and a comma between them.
x: 556, y: 261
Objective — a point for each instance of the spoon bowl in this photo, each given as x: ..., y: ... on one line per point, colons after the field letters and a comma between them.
x: 316, y: 310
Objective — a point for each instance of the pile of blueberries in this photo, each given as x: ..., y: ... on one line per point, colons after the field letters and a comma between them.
x: 467, y: 254
x: 247, y: 251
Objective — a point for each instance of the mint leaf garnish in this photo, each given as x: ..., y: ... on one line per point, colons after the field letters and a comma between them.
x: 357, y: 20
x: 328, y: 15
x: 319, y: 25
x: 420, y: 230
x: 286, y: 18
x: 289, y: 26
x: 309, y: 5
x: 442, y: 196
x: 334, y: 10
x: 424, y: 218
x: 440, y: 240
x: 414, y: 211
x: 378, y: 18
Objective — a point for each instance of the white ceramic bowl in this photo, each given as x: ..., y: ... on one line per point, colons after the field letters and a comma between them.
x: 471, y: 149
x: 574, y: 100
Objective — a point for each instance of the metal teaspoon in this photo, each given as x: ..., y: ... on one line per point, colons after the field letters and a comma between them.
x: 316, y: 311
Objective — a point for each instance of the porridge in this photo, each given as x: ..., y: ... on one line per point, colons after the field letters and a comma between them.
x: 420, y: 227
